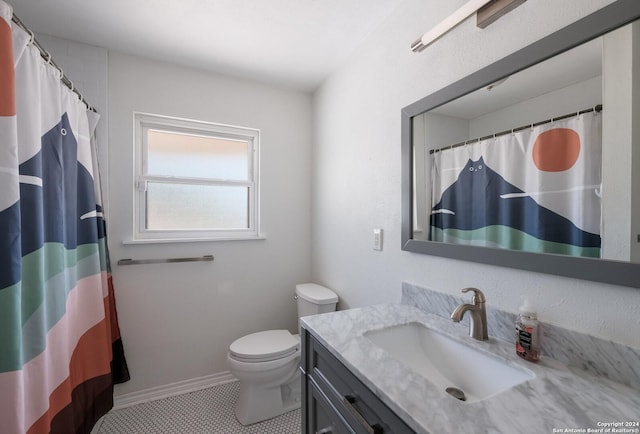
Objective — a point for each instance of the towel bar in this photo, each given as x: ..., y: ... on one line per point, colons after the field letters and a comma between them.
x: 164, y: 261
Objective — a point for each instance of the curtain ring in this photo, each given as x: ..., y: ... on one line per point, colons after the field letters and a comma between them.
x: 32, y: 36
x: 72, y: 87
x: 48, y: 57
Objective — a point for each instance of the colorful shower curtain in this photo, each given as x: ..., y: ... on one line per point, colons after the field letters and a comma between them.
x: 60, y: 349
x: 536, y: 190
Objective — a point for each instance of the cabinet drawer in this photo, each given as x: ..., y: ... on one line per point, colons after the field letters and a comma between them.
x: 356, y: 403
x: 323, y: 417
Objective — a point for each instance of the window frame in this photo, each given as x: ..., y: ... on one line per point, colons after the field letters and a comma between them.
x: 144, y: 122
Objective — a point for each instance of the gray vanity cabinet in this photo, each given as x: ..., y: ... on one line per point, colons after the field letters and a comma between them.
x: 334, y: 401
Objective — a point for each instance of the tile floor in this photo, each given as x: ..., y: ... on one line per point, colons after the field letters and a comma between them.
x: 207, y: 411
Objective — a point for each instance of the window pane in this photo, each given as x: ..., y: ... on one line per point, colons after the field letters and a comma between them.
x: 188, y: 206
x: 193, y: 156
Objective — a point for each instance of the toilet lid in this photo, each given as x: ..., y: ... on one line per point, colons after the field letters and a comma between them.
x: 264, y: 346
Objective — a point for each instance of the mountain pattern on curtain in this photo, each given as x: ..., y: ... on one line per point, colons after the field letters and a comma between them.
x: 536, y: 190
x: 60, y: 347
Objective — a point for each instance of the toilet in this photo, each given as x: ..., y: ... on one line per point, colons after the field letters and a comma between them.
x: 266, y: 363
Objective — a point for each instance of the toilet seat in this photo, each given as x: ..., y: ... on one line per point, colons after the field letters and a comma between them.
x: 264, y: 346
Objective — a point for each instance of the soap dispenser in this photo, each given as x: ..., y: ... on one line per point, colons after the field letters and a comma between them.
x: 528, y: 333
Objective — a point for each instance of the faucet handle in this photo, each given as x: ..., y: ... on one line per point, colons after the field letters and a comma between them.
x: 478, y: 296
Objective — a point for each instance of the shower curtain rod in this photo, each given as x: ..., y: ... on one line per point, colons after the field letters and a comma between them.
x: 47, y: 56
x: 597, y: 108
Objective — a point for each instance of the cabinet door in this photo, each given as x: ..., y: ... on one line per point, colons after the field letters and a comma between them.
x: 362, y: 410
x: 322, y: 417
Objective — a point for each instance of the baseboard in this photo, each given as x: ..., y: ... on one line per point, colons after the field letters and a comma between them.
x: 172, y: 389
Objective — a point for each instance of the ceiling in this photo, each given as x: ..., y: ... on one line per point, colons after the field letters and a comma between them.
x: 578, y: 64
x: 292, y: 43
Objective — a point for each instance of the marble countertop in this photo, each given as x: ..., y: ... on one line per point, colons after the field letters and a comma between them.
x: 558, y: 399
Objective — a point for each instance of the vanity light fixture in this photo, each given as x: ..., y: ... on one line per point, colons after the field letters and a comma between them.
x: 487, y: 12
x: 448, y: 23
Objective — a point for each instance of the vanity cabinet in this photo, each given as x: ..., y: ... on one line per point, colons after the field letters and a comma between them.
x: 334, y: 401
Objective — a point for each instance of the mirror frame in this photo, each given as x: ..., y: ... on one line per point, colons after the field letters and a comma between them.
x: 608, y: 18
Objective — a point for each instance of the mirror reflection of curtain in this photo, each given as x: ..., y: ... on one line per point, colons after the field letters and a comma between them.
x: 536, y: 190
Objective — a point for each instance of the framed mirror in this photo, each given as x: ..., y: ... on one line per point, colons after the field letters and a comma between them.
x: 575, y: 89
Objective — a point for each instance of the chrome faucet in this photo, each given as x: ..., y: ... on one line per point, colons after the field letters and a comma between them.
x: 478, y: 323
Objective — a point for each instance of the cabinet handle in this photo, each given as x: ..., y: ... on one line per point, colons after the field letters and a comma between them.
x: 349, y: 402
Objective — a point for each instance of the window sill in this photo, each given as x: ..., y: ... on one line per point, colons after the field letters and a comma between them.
x: 188, y: 240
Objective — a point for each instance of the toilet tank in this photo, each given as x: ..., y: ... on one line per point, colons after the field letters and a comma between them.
x: 313, y: 299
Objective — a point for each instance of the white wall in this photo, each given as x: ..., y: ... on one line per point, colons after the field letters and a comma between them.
x: 579, y: 96
x: 356, y: 183
x: 177, y: 320
x: 620, y: 165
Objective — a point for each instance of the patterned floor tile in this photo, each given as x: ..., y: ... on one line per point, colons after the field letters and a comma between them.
x: 207, y: 411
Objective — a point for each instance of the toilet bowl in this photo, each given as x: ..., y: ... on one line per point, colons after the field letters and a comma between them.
x: 266, y: 363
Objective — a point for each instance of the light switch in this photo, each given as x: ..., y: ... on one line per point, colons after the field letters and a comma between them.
x: 377, y: 239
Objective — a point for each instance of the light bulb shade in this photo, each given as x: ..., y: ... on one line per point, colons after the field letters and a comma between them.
x: 448, y: 23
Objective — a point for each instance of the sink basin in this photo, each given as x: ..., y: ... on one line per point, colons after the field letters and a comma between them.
x: 448, y: 363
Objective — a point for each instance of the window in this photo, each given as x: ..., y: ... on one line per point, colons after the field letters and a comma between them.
x: 195, y: 180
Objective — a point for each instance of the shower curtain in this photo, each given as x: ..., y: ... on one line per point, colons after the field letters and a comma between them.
x: 536, y: 190
x: 60, y: 349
